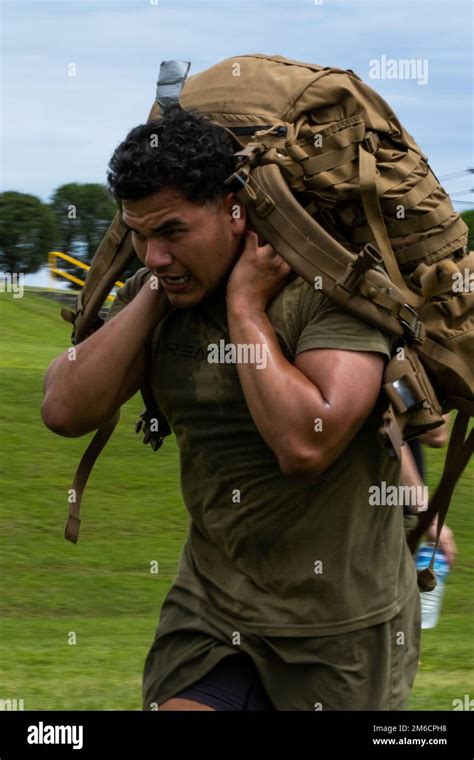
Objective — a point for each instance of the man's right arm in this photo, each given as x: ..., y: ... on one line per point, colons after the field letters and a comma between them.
x: 83, y: 393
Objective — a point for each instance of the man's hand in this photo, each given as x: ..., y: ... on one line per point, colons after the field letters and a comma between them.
x: 438, y: 437
x: 446, y: 541
x: 161, y: 302
x: 258, y: 274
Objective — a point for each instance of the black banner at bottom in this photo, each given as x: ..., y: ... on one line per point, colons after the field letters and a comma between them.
x: 377, y: 734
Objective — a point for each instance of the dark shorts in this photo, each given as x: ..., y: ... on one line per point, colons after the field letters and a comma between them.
x: 233, y: 684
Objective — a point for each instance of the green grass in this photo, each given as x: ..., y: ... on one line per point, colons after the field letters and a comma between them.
x: 102, y: 589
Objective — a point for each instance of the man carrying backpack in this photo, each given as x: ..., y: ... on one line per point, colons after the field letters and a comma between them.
x: 292, y: 591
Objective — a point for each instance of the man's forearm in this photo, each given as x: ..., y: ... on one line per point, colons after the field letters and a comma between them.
x: 87, y: 385
x: 283, y: 402
x: 410, y: 476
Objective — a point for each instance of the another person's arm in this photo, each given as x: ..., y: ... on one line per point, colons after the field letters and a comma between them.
x: 438, y: 437
x: 410, y: 476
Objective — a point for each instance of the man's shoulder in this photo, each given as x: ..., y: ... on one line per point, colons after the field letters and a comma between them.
x: 297, y: 302
x: 134, y: 283
x: 307, y: 318
x: 128, y: 291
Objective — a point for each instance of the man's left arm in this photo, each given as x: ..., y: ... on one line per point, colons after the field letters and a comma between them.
x: 307, y: 412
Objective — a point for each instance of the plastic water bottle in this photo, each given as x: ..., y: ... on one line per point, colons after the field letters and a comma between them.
x: 431, y: 600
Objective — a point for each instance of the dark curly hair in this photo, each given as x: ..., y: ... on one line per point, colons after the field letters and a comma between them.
x: 182, y: 150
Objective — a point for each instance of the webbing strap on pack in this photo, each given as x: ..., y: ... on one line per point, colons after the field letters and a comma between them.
x: 152, y: 435
x: 373, y: 212
x: 459, y: 452
x: 438, y: 353
x: 71, y: 532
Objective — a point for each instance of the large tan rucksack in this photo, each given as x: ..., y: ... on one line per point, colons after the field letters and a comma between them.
x: 333, y: 181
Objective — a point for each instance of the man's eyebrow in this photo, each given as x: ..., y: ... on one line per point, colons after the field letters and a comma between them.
x: 168, y: 225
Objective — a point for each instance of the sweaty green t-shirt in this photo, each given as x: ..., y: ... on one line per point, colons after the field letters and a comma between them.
x: 274, y: 554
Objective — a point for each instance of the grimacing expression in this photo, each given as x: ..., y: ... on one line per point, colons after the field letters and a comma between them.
x: 176, y: 238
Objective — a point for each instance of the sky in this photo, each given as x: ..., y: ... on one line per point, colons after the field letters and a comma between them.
x: 57, y: 128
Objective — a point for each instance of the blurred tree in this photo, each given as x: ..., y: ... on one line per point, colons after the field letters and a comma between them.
x: 83, y: 214
x: 27, y: 231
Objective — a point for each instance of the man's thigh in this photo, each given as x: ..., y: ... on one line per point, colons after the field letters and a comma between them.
x: 183, y: 704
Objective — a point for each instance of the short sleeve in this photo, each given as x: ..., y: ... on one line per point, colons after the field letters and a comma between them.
x: 127, y: 293
x: 324, y: 324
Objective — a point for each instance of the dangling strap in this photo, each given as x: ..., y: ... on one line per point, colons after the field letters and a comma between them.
x: 71, y: 532
x: 459, y: 452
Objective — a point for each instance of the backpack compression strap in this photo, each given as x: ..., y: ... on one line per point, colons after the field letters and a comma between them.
x: 371, y: 203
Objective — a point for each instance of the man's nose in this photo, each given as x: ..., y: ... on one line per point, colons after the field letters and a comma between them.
x: 157, y: 254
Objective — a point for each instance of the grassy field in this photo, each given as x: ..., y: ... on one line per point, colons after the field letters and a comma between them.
x: 102, y: 588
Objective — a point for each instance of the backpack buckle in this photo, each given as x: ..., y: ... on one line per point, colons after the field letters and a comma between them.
x: 367, y: 258
x: 371, y: 142
x: 153, y: 437
x: 413, y: 328
x: 237, y: 181
x: 248, y: 155
x: 391, y: 435
x: 406, y: 393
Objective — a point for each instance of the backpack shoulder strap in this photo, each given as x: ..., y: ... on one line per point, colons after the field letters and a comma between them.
x: 113, y: 255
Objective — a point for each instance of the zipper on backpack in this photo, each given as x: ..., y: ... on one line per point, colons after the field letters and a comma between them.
x: 279, y: 131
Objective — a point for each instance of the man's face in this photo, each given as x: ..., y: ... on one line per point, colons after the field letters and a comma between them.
x: 176, y: 238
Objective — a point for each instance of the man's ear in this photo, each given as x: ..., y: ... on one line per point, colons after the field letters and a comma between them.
x: 237, y: 213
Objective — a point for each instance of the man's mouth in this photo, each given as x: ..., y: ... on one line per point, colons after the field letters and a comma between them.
x: 175, y: 279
